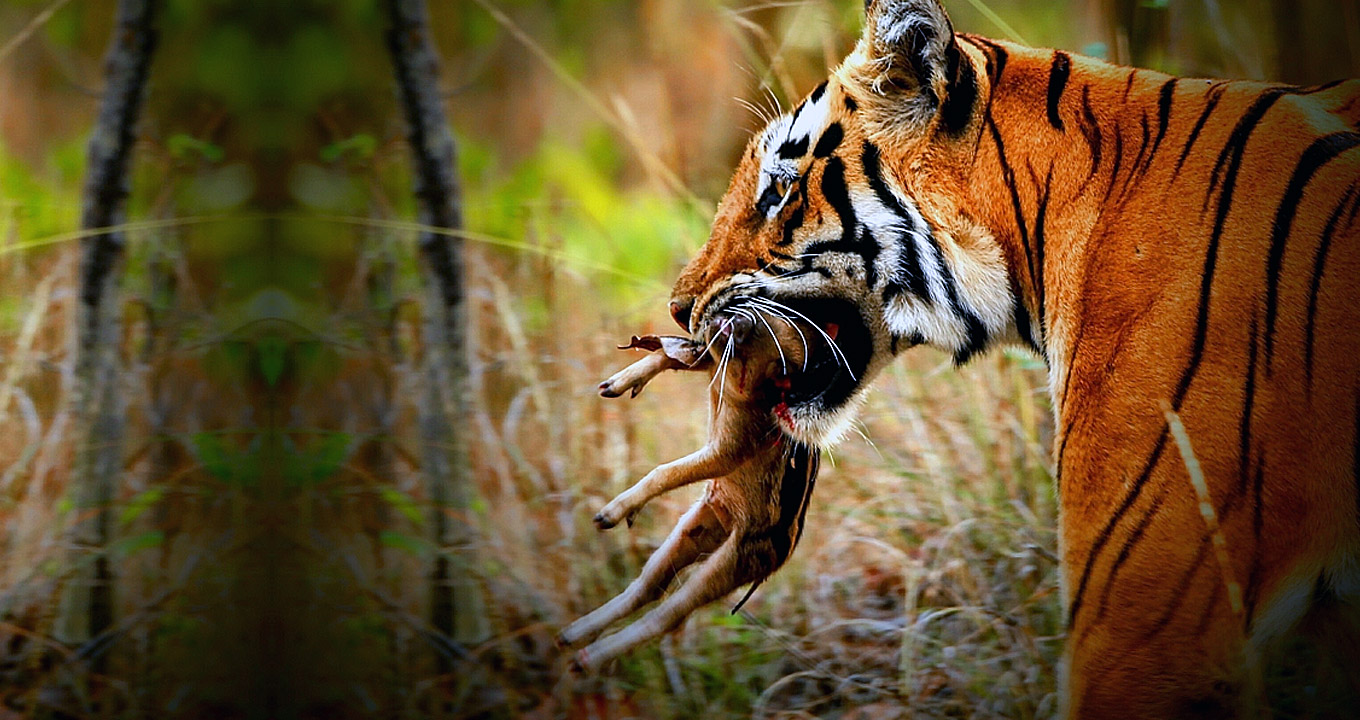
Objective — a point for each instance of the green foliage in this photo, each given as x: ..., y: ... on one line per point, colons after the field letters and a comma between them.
x: 411, y: 544
x: 315, y: 457
x: 566, y: 199
x: 127, y: 546
x: 36, y: 206
x: 185, y: 147
x: 359, y: 147
x: 404, y: 504
x: 229, y: 461
x: 139, y: 504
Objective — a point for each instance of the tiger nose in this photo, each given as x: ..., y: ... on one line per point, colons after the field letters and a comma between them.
x: 680, y: 311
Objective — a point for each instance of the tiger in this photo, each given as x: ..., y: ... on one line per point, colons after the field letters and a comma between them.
x: 1179, y: 253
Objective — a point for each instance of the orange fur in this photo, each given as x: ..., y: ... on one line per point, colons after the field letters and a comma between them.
x: 1170, y: 242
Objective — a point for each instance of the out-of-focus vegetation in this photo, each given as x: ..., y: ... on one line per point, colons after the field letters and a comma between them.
x: 270, y: 527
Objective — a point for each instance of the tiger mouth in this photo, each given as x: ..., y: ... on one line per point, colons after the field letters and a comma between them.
x: 838, y: 351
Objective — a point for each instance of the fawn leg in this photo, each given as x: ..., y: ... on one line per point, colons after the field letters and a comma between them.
x: 697, y: 532
x: 716, y: 577
x: 727, y: 449
x: 636, y: 376
x: 710, y: 461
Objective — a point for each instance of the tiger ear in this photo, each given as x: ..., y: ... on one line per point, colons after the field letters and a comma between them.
x: 907, y: 44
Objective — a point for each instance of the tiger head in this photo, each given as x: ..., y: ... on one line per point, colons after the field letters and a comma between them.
x: 845, y: 213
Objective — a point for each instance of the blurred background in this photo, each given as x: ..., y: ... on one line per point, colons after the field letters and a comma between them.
x: 271, y: 526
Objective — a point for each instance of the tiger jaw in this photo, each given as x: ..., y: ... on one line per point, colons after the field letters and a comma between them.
x: 815, y: 401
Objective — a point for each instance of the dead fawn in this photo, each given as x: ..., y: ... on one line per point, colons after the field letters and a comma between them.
x: 751, y: 516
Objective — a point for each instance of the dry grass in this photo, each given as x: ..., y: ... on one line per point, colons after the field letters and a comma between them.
x: 269, y: 521
x: 925, y: 583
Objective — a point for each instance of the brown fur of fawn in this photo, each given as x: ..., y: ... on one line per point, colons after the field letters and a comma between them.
x: 751, y: 516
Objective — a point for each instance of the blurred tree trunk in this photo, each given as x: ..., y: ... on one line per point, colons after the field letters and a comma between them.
x: 1138, y: 32
x: 1314, y: 41
x: 86, y: 608
x: 456, y: 601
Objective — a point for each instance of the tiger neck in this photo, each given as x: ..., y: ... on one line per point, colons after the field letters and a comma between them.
x: 1059, y: 142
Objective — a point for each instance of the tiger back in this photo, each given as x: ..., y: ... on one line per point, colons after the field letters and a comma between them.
x: 1182, y: 253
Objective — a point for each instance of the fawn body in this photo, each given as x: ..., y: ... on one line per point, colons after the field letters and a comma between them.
x: 751, y: 515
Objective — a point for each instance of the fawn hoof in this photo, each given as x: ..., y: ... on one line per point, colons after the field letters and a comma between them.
x: 603, y: 522
x: 616, y: 511
x: 580, y: 663
x: 607, y: 390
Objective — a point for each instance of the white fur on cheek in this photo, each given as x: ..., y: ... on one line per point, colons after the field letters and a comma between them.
x: 821, y: 429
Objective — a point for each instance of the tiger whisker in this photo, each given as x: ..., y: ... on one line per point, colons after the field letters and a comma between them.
x: 791, y: 323
x: 722, y: 368
x: 760, y: 113
x: 708, y: 347
x: 783, y: 363
x: 721, y: 358
x: 774, y: 99
x: 837, y: 348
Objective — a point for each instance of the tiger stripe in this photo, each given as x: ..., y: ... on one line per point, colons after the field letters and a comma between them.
x: 1157, y: 241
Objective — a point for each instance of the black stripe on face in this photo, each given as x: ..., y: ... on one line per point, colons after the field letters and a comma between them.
x: 818, y: 91
x: 1315, y: 282
x: 869, y: 249
x: 797, y: 217
x: 909, y: 261
x: 1057, y: 84
x: 910, y: 277
x: 794, y: 149
x: 768, y: 200
x: 1319, y: 153
x: 850, y: 104
x: 829, y: 141
x: 863, y: 244
x: 837, y: 194
x: 975, y: 342
x: 960, y: 94
x: 976, y: 337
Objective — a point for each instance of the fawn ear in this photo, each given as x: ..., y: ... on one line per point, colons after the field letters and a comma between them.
x: 907, y: 45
